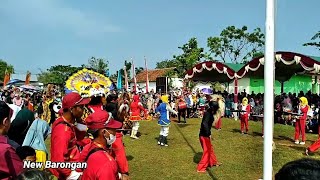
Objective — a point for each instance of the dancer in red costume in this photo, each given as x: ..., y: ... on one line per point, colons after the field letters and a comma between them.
x: 136, y: 107
x: 245, y: 115
x: 300, y: 126
x: 208, y: 159
x: 100, y: 163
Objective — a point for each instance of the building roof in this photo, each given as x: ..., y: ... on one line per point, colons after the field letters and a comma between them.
x: 22, y: 77
x: 235, y: 67
x: 315, y: 58
x: 153, y: 74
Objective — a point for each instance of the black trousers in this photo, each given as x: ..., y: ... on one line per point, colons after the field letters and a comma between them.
x: 188, y: 112
x: 182, y: 112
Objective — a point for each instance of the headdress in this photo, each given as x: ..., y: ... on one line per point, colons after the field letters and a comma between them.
x: 88, y: 83
x: 221, y: 101
x: 245, y: 101
x: 165, y: 98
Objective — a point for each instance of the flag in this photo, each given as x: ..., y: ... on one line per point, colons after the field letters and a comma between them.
x: 107, y: 72
x: 126, y: 84
x: 28, y: 76
x: 119, y: 81
x: 147, y: 81
x: 6, y: 78
x: 134, y: 78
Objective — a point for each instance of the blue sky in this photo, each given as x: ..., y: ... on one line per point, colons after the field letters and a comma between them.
x: 36, y: 34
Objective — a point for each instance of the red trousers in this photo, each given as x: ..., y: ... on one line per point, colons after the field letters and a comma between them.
x: 244, y: 122
x: 316, y: 145
x: 219, y: 123
x: 120, y: 154
x: 208, y: 157
x: 300, y: 130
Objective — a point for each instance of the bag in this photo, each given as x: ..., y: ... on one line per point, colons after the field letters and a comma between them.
x: 182, y: 105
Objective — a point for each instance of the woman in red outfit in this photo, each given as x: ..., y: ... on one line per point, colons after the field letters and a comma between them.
x: 245, y: 115
x: 208, y: 159
x: 136, y: 107
x: 301, y: 122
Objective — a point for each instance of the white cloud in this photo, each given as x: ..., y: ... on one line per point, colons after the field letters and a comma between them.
x: 56, y: 15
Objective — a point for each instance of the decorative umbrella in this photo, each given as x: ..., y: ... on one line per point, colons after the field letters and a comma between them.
x: 207, y: 91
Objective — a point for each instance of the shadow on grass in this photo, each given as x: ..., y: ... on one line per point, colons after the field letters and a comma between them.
x: 256, y: 134
x: 129, y: 158
x: 183, y: 125
x: 236, y: 131
x: 298, y: 148
x: 196, y: 155
x: 283, y: 138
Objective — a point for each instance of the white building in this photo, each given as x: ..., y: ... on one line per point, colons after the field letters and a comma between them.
x: 153, y: 74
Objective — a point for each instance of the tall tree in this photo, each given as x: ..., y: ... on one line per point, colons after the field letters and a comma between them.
x: 191, y: 55
x: 138, y: 70
x: 3, y: 67
x: 99, y: 65
x: 315, y: 41
x: 236, y: 44
x: 166, y: 64
x: 57, y: 74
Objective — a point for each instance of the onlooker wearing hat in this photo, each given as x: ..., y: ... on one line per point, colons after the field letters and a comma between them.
x: 100, y: 164
x: 65, y: 135
x: 10, y: 163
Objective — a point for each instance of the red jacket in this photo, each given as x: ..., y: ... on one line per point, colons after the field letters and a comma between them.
x: 100, y: 164
x: 247, y: 108
x: 304, y: 111
x: 10, y: 163
x: 64, y: 146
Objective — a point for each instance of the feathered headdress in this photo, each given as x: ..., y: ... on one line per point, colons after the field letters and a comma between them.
x: 88, y: 83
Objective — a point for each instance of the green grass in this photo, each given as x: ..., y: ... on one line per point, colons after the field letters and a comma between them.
x: 241, y: 155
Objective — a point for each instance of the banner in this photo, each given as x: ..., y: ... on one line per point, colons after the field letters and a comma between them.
x: 28, y: 76
x: 6, y: 78
x: 119, y: 81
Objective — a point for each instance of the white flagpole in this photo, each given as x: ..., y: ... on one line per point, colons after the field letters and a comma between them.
x: 269, y: 76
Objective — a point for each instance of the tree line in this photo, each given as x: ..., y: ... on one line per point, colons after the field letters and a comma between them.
x: 235, y: 45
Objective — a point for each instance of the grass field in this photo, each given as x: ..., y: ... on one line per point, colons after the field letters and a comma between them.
x: 241, y: 155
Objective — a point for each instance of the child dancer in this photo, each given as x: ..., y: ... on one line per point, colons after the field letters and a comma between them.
x: 300, y: 126
x: 164, y: 120
x: 245, y: 115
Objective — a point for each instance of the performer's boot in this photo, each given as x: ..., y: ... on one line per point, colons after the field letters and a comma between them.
x: 160, y: 139
x: 164, y: 141
x: 134, y: 134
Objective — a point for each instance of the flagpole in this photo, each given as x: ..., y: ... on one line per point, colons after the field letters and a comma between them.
x: 269, y: 90
x: 134, y: 78
x: 147, y: 81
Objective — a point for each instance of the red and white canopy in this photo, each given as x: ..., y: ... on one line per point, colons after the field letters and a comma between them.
x: 210, y: 71
x: 287, y: 64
